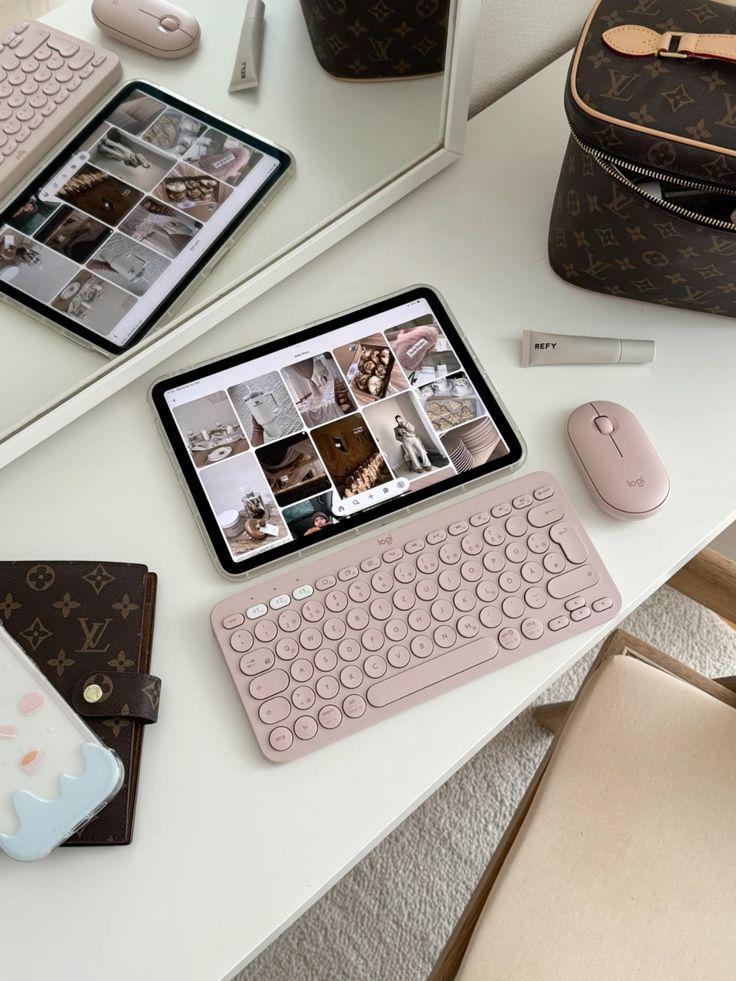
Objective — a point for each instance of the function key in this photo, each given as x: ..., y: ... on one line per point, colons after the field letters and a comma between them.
x: 415, y: 545
x: 501, y: 510
x: 393, y: 554
x: 523, y: 501
x: 370, y: 564
x: 479, y: 519
x: 278, y: 602
x: 542, y: 493
x: 280, y: 738
x: 435, y: 537
x: 233, y: 621
x: 305, y: 727
x: 604, y: 603
x: 458, y: 528
x: 326, y: 582
x: 348, y: 573
x: 257, y: 610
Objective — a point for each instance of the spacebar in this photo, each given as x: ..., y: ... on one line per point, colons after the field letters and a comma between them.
x: 430, y: 672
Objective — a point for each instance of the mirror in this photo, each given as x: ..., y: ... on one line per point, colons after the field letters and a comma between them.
x: 359, y: 144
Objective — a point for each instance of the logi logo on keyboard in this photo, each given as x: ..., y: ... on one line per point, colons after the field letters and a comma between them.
x: 386, y: 540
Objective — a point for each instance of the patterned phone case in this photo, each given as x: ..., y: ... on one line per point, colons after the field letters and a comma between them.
x: 55, y: 774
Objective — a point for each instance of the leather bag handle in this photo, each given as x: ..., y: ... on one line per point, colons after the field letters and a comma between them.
x: 643, y: 42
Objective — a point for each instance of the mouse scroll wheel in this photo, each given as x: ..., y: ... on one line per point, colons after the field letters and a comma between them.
x: 604, y: 425
x: 169, y: 23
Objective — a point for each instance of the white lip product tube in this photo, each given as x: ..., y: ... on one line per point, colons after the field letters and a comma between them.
x: 538, y: 348
x: 248, y: 59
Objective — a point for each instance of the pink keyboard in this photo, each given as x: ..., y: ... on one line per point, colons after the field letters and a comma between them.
x: 391, y: 621
x: 48, y: 81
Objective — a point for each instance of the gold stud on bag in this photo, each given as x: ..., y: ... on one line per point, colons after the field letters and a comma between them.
x: 645, y: 206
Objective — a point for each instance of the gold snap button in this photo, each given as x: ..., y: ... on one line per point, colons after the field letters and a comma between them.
x: 92, y: 693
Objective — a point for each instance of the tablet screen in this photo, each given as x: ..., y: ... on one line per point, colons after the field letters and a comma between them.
x: 116, y: 227
x: 289, y: 444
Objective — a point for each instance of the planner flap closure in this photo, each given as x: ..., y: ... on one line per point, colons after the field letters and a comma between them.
x: 117, y: 694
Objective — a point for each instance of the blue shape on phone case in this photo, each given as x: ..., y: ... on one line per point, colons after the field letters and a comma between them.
x: 46, y: 823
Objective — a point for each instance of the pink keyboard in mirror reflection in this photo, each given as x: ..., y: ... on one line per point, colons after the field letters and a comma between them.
x: 396, y: 619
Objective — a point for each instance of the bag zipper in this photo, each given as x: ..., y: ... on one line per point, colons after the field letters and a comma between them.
x: 608, y: 161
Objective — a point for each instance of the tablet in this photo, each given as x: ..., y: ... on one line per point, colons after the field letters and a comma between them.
x: 129, y: 214
x: 297, y: 441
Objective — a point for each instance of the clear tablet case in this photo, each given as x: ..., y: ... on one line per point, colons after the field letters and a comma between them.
x: 55, y: 774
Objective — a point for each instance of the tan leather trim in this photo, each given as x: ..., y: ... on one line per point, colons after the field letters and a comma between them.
x: 670, y: 137
x: 635, y: 41
x: 721, y: 46
x: 628, y: 39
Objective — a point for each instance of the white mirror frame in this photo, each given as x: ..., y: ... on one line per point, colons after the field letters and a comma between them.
x: 53, y: 416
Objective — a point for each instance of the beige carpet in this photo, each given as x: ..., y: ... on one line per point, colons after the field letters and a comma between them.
x: 389, y: 917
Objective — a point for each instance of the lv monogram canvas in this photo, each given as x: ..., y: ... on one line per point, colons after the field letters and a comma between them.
x: 366, y: 40
x: 88, y: 627
x: 646, y: 201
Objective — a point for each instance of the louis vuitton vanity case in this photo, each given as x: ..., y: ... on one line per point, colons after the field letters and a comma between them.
x: 646, y: 201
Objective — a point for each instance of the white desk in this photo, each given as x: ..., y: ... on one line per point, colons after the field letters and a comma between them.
x: 228, y: 848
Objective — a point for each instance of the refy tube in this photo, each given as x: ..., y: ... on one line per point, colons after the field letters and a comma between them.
x: 538, y: 348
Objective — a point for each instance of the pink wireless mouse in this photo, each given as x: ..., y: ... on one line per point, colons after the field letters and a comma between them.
x: 154, y: 26
x: 617, y: 460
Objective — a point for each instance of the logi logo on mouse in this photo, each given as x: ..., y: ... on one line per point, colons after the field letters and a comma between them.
x: 636, y: 482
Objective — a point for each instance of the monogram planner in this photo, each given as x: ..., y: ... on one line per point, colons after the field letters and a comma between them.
x: 88, y: 626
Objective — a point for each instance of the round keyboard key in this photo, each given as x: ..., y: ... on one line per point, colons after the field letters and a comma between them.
x: 287, y: 648
x: 336, y: 601
x: 442, y: 610
x: 303, y: 697
x: 325, y: 660
x: 531, y: 572
x: 9, y: 148
x: 486, y: 591
x: 471, y: 571
x: 490, y: 616
x: 427, y: 589
x: 55, y: 63
x: 449, y: 580
x: 232, y: 621
x: 464, y: 601
x: 11, y: 127
x: 354, y: 706
x: 280, y: 738
x: 381, y: 609
x: 29, y: 87
x: 301, y: 669
x: 472, y: 545
x: 241, y: 641
x: 351, y: 676
x: 289, y: 620
x: 382, y: 582
x: 532, y: 628
x: 305, y: 727
x: 494, y: 561
x: 349, y: 649
x: 257, y: 661
x: 310, y: 639
x: 374, y: 666
x: 419, y: 619
x: 359, y: 591
x: 333, y: 628
x: 16, y: 78
x: 509, y: 638
x: 265, y: 630
x: 450, y: 554
x: 29, y: 66
x: 403, y: 599
x: 22, y: 134
x: 327, y: 686
x: 516, y: 526
x: 358, y: 618
x: 538, y: 543
x: 372, y: 639
x: 428, y: 563
x: 535, y: 598
x: 398, y: 656
x: 468, y: 627
x: 509, y: 582
x: 421, y: 646
x: 43, y: 74
x: 494, y: 535
x: 405, y: 572
x: 396, y: 630
x: 313, y: 611
x: 516, y: 551
x: 5, y: 113
x: 554, y: 562
x: 266, y: 685
x: 51, y: 87
x: 273, y: 711
x: 330, y: 716
x: 445, y: 636
x: 6, y: 89
x: 513, y: 607
x: 42, y: 53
